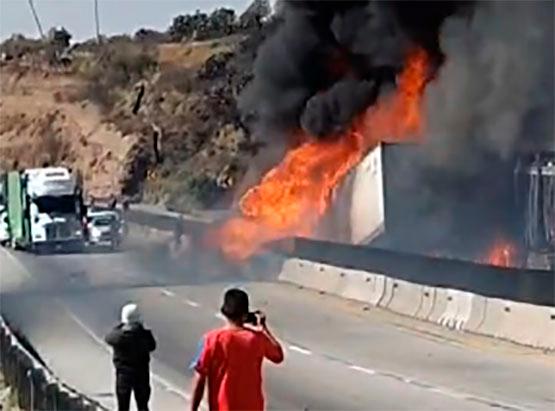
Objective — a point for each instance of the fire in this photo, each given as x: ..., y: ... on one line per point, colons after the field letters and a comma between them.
x: 292, y: 197
x: 502, y: 254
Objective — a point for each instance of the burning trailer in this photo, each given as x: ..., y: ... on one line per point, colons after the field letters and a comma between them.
x: 446, y: 82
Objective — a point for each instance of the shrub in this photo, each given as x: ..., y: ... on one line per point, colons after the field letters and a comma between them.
x: 18, y: 46
x: 181, y: 79
x: 201, y: 26
x: 119, y: 65
x: 150, y: 36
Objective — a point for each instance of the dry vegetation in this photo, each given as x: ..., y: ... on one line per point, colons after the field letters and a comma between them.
x: 144, y: 117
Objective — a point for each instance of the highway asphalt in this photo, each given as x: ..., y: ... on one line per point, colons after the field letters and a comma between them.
x: 339, y: 355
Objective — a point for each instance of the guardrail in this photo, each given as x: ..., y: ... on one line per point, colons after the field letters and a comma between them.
x: 36, y: 385
x: 527, y: 324
x: 167, y: 220
x: 521, y: 285
x: 507, y: 303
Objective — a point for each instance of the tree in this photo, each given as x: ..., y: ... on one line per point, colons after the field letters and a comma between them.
x: 59, y: 37
x: 200, y: 26
x: 187, y: 26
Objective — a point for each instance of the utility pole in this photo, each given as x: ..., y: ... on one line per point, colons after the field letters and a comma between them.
x: 97, y: 21
x: 37, y: 21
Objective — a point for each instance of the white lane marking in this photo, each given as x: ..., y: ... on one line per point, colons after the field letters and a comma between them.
x: 362, y: 369
x: 191, y: 303
x: 435, y: 389
x: 300, y: 350
x: 168, y: 386
x: 171, y: 388
x: 168, y: 293
x: 447, y: 392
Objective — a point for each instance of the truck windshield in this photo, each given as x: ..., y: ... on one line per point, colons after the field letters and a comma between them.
x: 102, y: 221
x: 58, y: 204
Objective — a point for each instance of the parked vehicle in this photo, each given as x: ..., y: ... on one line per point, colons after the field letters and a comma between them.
x: 43, y: 209
x: 105, y: 229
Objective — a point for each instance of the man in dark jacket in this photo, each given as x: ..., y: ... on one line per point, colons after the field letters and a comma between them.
x: 132, y: 345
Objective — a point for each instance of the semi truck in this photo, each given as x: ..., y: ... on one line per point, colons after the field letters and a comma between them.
x: 42, y: 209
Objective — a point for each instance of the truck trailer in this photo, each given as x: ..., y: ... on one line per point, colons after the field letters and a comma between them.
x: 43, y: 209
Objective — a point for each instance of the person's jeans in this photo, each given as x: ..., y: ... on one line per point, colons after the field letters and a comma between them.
x: 139, y: 384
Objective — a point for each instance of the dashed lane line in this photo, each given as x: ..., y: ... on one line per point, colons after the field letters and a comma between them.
x: 168, y: 293
x: 362, y: 369
x: 291, y: 346
x: 168, y: 386
x: 191, y: 303
x: 295, y: 348
x: 300, y: 350
x: 186, y: 301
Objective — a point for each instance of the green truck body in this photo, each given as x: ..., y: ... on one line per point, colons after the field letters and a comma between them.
x: 16, y: 208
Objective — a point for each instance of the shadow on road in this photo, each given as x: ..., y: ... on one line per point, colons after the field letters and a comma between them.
x: 137, y: 266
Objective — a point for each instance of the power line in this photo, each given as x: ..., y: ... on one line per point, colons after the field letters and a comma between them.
x: 37, y: 21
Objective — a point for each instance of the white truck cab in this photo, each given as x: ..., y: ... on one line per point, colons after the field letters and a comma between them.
x: 55, y: 203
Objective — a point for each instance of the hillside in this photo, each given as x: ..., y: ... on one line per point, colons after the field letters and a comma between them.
x: 41, y: 123
x: 153, y: 119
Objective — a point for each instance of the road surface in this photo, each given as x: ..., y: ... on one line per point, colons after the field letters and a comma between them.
x: 339, y: 355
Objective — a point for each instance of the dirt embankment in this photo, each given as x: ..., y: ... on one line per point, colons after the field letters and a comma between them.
x: 155, y: 121
x: 43, y: 121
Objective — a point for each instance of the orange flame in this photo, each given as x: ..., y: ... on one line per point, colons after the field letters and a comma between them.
x: 502, y: 254
x: 293, y: 196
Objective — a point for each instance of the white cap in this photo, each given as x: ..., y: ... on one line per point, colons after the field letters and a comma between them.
x: 130, y: 314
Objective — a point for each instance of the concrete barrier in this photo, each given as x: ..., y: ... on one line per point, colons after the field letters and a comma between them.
x: 441, y: 300
x: 457, y: 310
x: 351, y: 284
x: 495, y: 318
x: 519, y: 322
x: 522, y: 323
x: 362, y: 286
x: 310, y: 275
x: 406, y: 298
x: 427, y: 303
x: 477, y: 316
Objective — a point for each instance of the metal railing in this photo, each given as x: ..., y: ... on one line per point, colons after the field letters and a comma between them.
x: 36, y: 386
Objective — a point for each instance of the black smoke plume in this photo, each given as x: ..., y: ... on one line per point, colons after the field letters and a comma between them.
x: 490, y: 104
x: 329, y: 60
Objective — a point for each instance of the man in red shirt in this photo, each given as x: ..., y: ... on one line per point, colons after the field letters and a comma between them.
x: 230, y: 358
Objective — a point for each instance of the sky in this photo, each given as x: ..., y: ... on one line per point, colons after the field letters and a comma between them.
x: 116, y: 16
